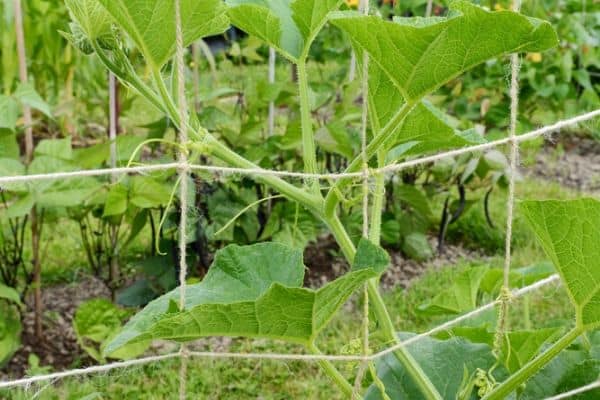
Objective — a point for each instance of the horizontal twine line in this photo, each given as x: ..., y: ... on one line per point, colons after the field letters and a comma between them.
x: 302, y: 175
x: 579, y: 390
x: 271, y: 356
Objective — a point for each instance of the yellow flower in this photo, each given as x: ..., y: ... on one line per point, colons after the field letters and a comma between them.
x: 534, y: 57
x: 352, y: 3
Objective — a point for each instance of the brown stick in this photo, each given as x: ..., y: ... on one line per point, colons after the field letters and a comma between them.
x: 35, y: 238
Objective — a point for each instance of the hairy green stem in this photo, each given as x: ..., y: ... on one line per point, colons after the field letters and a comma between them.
x: 309, y: 153
x: 333, y: 373
x: 533, y: 366
x: 382, y: 315
x: 133, y: 81
x: 333, y: 198
x: 378, y: 202
x: 164, y: 93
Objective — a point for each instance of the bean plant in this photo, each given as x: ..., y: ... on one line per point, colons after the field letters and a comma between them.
x: 256, y: 291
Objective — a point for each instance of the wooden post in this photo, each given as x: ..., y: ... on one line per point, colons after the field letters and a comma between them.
x: 113, y: 128
x: 33, y: 217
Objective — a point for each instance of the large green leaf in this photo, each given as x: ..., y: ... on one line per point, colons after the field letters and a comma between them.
x: 251, y: 291
x: 227, y: 281
x: 151, y: 23
x: 518, y: 348
x: 421, y: 54
x: 287, y: 25
x: 569, y: 232
x: 572, y: 368
x: 444, y: 361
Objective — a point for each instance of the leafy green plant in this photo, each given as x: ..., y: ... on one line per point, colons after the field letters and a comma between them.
x: 254, y: 291
x: 10, y: 323
x: 96, y: 322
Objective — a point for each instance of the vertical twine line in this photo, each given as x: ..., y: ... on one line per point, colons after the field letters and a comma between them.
x: 183, y: 174
x: 364, y: 9
x: 272, y: 65
x: 505, y: 294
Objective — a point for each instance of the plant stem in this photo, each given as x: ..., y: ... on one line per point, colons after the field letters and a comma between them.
x: 382, y: 315
x: 310, y: 200
x: 166, y: 97
x: 332, y: 199
x: 533, y: 366
x: 377, y: 203
x: 309, y: 153
x: 33, y: 217
x: 333, y: 373
x: 212, y: 145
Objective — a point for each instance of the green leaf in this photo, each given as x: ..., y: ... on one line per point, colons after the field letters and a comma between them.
x: 70, y: 193
x: 416, y: 246
x: 9, y: 112
x: 370, y: 255
x: 92, y: 20
x: 27, y: 95
x: 569, y: 232
x: 12, y: 167
x: 21, y: 207
x: 292, y: 314
x: 518, y: 277
x: 9, y: 147
x: 116, y: 200
x: 10, y: 294
x: 227, y: 281
x: 562, y: 369
x: 444, y: 362
x: 522, y: 346
x: 96, y: 322
x: 151, y: 23
x: 56, y: 148
x: 518, y: 348
x: 91, y: 157
x: 147, y: 192
x: 421, y: 55
x: 10, y: 332
x: 460, y: 297
x: 289, y: 26
x: 251, y: 291
x: 429, y: 130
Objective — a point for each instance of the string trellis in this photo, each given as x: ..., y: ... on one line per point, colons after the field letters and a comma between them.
x: 184, y: 169
x: 390, y: 169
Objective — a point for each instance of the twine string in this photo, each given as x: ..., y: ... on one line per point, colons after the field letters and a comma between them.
x: 184, y: 174
x: 389, y: 169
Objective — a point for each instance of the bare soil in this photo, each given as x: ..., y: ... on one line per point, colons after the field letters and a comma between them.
x: 59, y: 347
x: 574, y: 162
